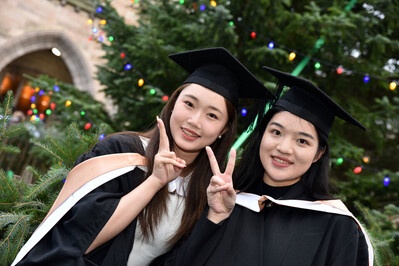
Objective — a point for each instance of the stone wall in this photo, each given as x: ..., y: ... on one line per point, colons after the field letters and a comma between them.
x: 27, y: 26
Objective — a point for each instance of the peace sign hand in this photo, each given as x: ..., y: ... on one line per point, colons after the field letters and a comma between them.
x: 167, y: 166
x: 220, y: 192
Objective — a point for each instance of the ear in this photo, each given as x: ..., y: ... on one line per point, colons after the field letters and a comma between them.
x: 225, y: 129
x: 319, y: 153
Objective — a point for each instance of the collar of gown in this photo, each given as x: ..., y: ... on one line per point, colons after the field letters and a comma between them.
x: 179, y: 185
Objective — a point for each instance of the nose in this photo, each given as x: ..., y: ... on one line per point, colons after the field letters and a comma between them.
x: 195, y: 119
x: 284, y: 146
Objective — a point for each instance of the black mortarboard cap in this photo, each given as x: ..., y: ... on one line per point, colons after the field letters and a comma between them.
x: 309, y: 102
x: 218, y: 70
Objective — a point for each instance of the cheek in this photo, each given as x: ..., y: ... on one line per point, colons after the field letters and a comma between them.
x: 214, y: 131
x: 307, y: 157
x: 264, y: 147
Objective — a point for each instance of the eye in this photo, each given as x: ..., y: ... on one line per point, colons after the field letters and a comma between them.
x: 189, y: 104
x: 275, y: 132
x: 213, y: 116
x: 303, y: 141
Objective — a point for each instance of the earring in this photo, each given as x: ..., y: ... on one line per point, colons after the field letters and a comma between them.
x: 220, y: 136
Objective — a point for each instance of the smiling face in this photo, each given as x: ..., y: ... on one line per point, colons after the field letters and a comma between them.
x: 198, y: 118
x: 288, y: 148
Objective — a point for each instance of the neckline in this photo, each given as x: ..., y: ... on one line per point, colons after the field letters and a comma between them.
x: 275, y: 192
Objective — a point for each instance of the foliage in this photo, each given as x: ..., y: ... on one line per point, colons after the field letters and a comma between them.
x: 22, y: 206
x: 383, y: 228
x: 8, y: 128
x: 82, y: 110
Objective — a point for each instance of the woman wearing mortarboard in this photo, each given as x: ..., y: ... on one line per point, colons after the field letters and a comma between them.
x: 296, y: 221
x: 134, y: 194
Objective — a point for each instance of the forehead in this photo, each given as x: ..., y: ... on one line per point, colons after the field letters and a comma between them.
x: 293, y: 122
x: 201, y: 92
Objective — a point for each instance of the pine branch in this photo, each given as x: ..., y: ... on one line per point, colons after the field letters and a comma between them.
x: 49, y: 183
x: 15, y: 229
x: 9, y: 191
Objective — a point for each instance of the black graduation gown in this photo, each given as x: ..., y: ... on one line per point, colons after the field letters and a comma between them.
x: 66, y: 243
x: 278, y: 235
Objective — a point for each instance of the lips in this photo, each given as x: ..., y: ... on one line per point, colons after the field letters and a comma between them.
x: 190, y: 133
x: 282, y: 162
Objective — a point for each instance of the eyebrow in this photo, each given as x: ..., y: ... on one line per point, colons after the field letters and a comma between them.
x: 196, y: 99
x: 299, y: 133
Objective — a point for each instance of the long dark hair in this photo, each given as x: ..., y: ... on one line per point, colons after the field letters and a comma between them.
x: 250, y: 170
x: 196, y: 199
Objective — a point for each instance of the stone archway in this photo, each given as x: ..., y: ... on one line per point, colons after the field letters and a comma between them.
x: 41, y: 40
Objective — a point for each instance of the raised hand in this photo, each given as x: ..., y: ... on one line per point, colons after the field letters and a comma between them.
x: 220, y: 192
x: 167, y: 166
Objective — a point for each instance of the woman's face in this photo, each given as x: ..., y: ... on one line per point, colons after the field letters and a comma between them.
x: 288, y: 148
x: 198, y: 118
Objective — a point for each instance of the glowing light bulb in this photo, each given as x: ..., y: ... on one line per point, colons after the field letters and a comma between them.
x: 340, y: 70
x: 140, y: 82
x: 87, y: 126
x: 357, y: 170
x: 392, y: 86
x: 292, y: 56
x: 271, y: 45
x: 127, y: 66
x: 386, y: 181
x: 99, y: 9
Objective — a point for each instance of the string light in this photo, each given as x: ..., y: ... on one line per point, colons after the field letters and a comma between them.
x: 392, y: 86
x: 140, y: 82
x: 292, y: 56
x: 340, y: 70
x: 271, y: 45
x: 87, y: 126
x: 253, y: 35
x: 357, y: 170
x: 99, y: 9
x: 386, y: 180
x: 127, y: 66
x: 339, y: 161
x: 68, y: 103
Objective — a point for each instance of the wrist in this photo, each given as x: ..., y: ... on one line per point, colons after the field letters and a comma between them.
x: 217, y: 217
x: 155, y: 183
